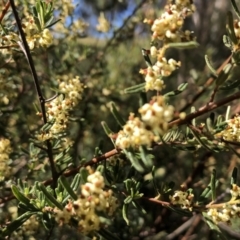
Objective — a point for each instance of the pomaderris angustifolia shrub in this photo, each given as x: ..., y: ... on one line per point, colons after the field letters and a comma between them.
x: 63, y: 178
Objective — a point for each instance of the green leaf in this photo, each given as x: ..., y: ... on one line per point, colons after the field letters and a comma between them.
x: 50, y: 23
x: 139, y: 207
x: 213, y: 226
x: 121, y: 122
x: 49, y: 196
x: 136, y: 88
x: 230, y: 28
x: 220, y: 125
x: 179, y: 90
x: 209, y: 124
x: 193, y: 110
x: 146, y: 158
x: 84, y: 174
x: 20, y: 197
x: 234, y: 176
x: 227, y: 41
x: 135, y: 161
x: 176, y: 134
x: 183, y: 45
x: 213, y: 184
x: 59, y: 156
x: 205, y: 195
x: 76, y: 182
x: 124, y: 213
x: 234, y: 5
x: 63, y: 181
x: 211, y: 68
x: 227, y: 113
x: 222, y: 77
x: 47, y: 221
x: 128, y: 200
x: 106, y: 129
x: 13, y: 226
x: 229, y: 85
x: 202, y: 140
x: 167, y: 136
x: 48, y: 125
x: 128, y: 184
x: 154, y: 181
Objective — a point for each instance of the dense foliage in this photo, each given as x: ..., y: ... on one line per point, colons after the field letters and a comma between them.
x: 119, y: 132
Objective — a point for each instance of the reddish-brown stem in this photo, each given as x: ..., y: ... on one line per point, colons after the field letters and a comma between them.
x: 204, y: 109
x: 72, y: 171
x: 205, y: 86
x: 197, y: 170
x: 4, y: 11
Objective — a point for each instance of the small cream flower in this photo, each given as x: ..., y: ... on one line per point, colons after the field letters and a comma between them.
x: 92, y: 201
x: 184, y: 199
x: 134, y: 134
x: 5, y: 150
x: 232, y: 131
x: 103, y: 23
x: 46, y: 38
x: 59, y: 109
x: 157, y: 114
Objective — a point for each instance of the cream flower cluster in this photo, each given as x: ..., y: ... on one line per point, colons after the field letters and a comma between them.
x: 156, y: 115
x: 9, y: 39
x: 31, y: 226
x: 162, y: 68
x: 34, y: 37
x: 93, y: 200
x: 232, y: 131
x: 154, y: 122
x: 169, y: 24
x: 237, y: 28
x: 153, y: 79
x: 5, y: 150
x: 58, y: 109
x: 229, y: 214
x: 7, y: 87
x: 103, y: 24
x: 184, y: 199
x: 134, y: 134
x: 235, y: 191
x: 167, y: 28
x: 67, y: 8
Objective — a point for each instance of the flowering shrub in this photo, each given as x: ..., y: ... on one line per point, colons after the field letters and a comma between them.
x: 150, y: 170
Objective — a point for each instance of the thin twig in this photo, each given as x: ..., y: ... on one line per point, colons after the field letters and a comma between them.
x: 231, y: 233
x: 181, y: 229
x: 72, y: 171
x: 194, y: 225
x: 110, y: 41
x: 123, y: 25
x: 205, y: 109
x: 214, y: 93
x: 205, y: 86
x: 4, y: 11
x: 197, y: 170
x: 26, y: 51
x: 90, y: 163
